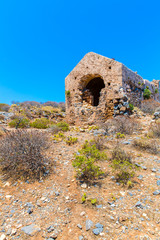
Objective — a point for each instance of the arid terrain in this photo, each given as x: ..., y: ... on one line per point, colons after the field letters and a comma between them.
x: 61, y: 206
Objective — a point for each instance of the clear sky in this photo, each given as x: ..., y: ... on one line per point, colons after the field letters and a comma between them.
x: 41, y: 41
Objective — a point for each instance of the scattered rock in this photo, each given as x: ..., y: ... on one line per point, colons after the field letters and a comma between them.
x: 31, y: 229
x: 79, y: 226
x: 3, y: 237
x: 89, y: 224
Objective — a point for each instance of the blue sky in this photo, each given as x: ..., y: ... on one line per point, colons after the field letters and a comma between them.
x: 42, y: 40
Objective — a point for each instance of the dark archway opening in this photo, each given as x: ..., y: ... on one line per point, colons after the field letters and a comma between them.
x: 91, y: 93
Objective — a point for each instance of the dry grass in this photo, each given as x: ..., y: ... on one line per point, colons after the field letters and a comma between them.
x: 22, y: 154
x: 145, y: 144
x: 121, y: 124
x: 149, y: 106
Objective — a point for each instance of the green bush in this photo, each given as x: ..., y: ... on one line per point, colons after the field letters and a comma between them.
x: 84, y: 163
x: 122, y: 165
x: 86, y: 168
x: 146, y: 93
x: 71, y: 140
x: 131, y: 107
x: 41, y: 123
x: 94, y: 201
x: 156, y: 90
x: 19, y: 123
x: 120, y: 135
x: 68, y: 93
x: 92, y: 151
x: 63, y: 126
x: 83, y: 199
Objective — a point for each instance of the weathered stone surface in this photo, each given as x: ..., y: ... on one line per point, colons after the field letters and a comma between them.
x: 31, y: 229
x: 99, y: 88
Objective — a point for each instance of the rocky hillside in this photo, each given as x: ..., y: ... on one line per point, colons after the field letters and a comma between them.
x: 120, y: 200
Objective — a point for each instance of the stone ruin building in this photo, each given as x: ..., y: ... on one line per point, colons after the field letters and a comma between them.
x: 99, y: 88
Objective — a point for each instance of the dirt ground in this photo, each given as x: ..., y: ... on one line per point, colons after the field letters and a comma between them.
x: 53, y: 207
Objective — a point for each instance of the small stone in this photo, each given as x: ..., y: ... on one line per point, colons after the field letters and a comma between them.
x: 29, y: 211
x: 7, y: 184
x: 130, y: 194
x: 31, y: 229
x: 126, y: 143
x: 154, y: 170
x: 97, y: 231
x: 50, y: 229
x: 144, y: 167
x: 140, y: 177
x: 137, y: 164
x: 82, y: 213
x: 139, y: 205
x: 79, y: 226
x: 54, y: 235
x: 113, y: 178
x: 156, y: 192
x: 8, y: 196
x: 13, y: 232
x: 89, y: 224
x: 158, y: 182
x: 84, y: 185
x: 81, y: 238
x: 3, y: 237
x: 99, y: 206
x: 57, y: 193
x: 98, y: 225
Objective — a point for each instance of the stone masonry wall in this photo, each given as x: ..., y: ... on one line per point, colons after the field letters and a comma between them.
x: 120, y: 86
x: 92, y: 66
x: 134, y: 85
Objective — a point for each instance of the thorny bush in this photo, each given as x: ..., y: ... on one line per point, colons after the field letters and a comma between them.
x: 121, y: 124
x: 121, y: 163
x: 149, y: 106
x: 147, y: 145
x: 22, y: 154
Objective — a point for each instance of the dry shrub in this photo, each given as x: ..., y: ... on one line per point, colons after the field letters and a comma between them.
x: 149, y: 106
x: 1, y: 132
x: 121, y: 124
x: 122, y: 165
x: 22, y: 154
x: 98, y: 142
x: 154, y: 130
x: 53, y: 129
x: 145, y: 144
x: 4, y: 107
x: 2, y: 117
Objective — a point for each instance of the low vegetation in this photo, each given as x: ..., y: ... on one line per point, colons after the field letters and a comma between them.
x: 63, y: 126
x: 19, y: 122
x: 121, y: 124
x: 85, y: 162
x: 149, y: 106
x: 146, y: 144
x: 146, y: 93
x: 22, y: 154
x: 41, y: 123
x: 71, y: 140
x: 121, y: 163
x: 155, y: 129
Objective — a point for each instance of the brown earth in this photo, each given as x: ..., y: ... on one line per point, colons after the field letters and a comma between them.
x: 56, y: 206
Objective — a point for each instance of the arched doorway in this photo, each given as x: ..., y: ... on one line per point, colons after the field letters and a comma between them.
x: 91, y: 93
